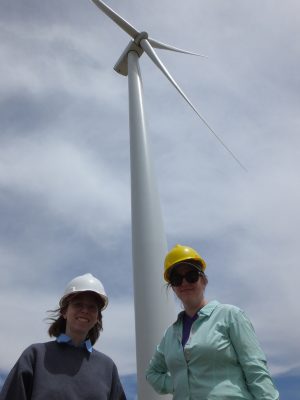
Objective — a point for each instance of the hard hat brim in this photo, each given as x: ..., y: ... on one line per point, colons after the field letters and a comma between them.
x: 103, y: 300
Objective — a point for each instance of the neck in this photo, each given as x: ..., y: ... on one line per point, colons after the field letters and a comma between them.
x: 77, y: 338
x: 192, y: 309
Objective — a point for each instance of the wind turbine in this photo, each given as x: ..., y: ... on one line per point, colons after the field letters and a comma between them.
x: 154, y: 311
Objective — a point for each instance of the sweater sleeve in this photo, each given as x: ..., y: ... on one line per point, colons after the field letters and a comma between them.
x: 18, y: 384
x: 157, y: 373
x: 251, y: 358
x: 117, y: 392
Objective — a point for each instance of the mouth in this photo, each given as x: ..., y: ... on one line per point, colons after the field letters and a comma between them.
x: 82, y: 319
x: 186, y: 290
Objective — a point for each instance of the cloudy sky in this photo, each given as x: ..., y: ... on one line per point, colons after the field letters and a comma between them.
x: 64, y: 160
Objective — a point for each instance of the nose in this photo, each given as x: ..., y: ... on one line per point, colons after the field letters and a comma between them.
x: 184, y: 281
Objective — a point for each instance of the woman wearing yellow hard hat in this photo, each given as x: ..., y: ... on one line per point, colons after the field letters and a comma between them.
x: 211, y: 351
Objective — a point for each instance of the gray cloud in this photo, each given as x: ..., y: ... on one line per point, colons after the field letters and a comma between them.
x: 64, y: 159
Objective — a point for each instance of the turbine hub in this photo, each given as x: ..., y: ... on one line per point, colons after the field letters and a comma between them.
x: 140, y: 36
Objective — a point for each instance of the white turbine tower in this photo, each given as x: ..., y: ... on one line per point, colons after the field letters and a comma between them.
x: 154, y: 311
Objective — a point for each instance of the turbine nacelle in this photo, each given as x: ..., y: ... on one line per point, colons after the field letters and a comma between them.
x: 121, y: 65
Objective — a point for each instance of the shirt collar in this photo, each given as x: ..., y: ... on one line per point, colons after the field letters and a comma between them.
x: 63, y: 338
x: 206, y: 310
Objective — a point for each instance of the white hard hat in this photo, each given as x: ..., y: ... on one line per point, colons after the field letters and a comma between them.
x: 85, y: 283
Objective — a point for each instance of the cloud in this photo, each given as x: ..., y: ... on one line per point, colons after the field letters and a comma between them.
x: 71, y: 185
x: 64, y: 159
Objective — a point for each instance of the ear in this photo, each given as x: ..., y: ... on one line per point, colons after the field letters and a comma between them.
x: 204, y: 280
x: 63, y: 310
x: 64, y: 314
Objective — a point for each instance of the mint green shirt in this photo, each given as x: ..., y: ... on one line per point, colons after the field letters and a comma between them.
x: 222, y: 359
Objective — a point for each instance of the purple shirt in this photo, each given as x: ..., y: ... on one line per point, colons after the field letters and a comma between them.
x: 187, y: 323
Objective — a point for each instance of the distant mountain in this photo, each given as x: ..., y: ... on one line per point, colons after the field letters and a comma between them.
x: 288, y: 384
x: 129, y: 385
x: 2, y: 378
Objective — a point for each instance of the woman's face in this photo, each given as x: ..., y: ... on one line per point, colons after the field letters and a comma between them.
x: 81, y: 314
x: 191, y: 294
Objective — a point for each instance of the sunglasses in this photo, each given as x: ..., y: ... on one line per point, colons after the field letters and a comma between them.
x: 191, y: 276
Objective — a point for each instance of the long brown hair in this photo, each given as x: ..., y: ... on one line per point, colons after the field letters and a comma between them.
x: 58, y: 324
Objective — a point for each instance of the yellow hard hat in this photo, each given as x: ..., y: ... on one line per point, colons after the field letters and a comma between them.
x: 178, y: 254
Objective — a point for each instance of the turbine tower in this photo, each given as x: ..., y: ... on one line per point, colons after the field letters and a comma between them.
x: 154, y: 311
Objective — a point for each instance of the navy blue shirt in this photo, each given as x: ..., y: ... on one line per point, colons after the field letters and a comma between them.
x: 63, y: 372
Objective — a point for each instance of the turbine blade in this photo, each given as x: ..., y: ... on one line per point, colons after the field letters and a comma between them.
x: 153, y: 56
x: 159, y: 45
x: 123, y: 24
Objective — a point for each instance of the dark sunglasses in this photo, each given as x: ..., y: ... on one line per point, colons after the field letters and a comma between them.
x: 191, y: 276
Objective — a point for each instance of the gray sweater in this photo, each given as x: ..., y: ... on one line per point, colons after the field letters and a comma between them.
x: 52, y: 371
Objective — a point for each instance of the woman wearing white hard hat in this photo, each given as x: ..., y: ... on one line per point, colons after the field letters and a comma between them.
x: 211, y: 352
x: 68, y: 368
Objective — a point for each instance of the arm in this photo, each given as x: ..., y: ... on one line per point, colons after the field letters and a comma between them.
x: 117, y: 392
x: 157, y: 373
x: 251, y: 358
x: 18, y: 384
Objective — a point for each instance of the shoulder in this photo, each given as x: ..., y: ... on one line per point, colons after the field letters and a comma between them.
x: 41, y: 346
x: 102, y: 357
x: 229, y: 308
x: 37, y: 348
x: 33, y: 348
x: 231, y: 313
x: 104, y: 362
x: 214, y: 308
x: 29, y: 356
